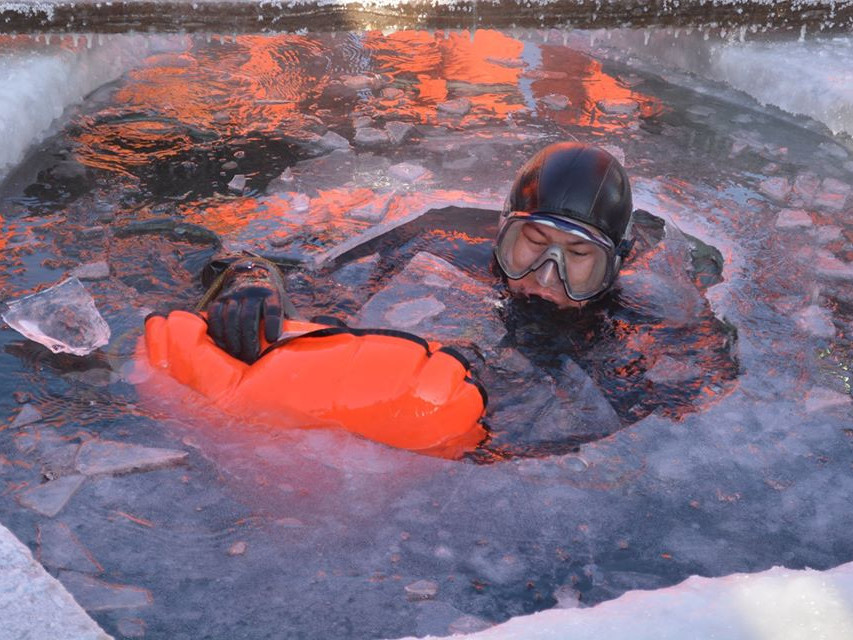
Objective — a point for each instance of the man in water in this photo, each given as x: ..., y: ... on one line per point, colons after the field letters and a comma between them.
x: 562, y: 237
x: 561, y: 240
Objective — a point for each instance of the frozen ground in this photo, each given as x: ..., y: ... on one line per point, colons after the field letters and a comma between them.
x: 159, y: 523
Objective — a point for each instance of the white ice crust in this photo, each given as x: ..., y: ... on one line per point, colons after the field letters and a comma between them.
x: 34, y: 604
x: 780, y: 603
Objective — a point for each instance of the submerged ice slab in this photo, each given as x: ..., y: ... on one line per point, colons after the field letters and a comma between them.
x: 779, y: 603
x: 63, y: 318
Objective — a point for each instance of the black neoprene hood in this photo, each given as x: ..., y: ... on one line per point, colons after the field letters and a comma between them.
x: 576, y: 181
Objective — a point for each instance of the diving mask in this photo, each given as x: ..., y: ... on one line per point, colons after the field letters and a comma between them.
x: 560, y: 251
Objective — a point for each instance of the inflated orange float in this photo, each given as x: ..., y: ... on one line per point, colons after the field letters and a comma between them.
x: 388, y: 386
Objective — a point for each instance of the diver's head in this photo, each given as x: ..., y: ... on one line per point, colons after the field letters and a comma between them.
x: 564, y: 229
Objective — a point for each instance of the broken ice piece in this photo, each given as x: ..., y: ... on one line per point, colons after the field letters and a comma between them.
x: 238, y: 183
x: 27, y: 415
x: 406, y: 171
x: 457, y: 107
x: 92, y: 271
x: 398, y: 131
x: 59, y: 548
x: 332, y: 140
x: 422, y: 590
x: 793, y: 218
x: 238, y: 548
x: 49, y: 498
x: 97, y: 595
x: 555, y: 101
x: 63, y: 318
x: 617, y: 106
x: 370, y: 136
x: 102, y: 456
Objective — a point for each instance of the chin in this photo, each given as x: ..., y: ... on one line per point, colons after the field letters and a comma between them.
x: 560, y: 301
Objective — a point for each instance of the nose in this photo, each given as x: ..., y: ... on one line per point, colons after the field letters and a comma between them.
x: 548, y: 274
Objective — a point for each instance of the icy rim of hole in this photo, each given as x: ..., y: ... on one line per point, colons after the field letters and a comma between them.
x: 255, y: 15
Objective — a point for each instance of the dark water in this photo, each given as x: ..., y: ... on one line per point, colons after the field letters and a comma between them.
x: 704, y: 380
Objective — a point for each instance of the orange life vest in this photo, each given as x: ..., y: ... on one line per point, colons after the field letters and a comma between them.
x: 387, y: 386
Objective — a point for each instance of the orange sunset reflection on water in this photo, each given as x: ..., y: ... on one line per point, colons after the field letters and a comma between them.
x: 277, y: 95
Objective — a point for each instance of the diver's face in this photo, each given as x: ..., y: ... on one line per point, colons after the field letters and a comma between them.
x: 580, y: 262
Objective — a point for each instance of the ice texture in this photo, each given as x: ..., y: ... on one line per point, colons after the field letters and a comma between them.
x: 63, y: 318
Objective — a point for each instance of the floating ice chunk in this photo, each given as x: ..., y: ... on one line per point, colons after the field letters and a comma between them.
x: 49, y: 498
x: 100, y: 456
x: 358, y: 273
x: 422, y: 590
x: 374, y: 210
x: 391, y: 93
x: 457, y: 107
x: 237, y: 184
x: 63, y: 318
x: 468, y: 624
x: 617, y: 106
x: 299, y: 201
x: 360, y: 122
x: 460, y: 164
x: 788, y: 218
x: 567, y: 597
x: 819, y: 398
x: 833, y: 195
x: 411, y: 313
x: 92, y: 271
x: 407, y: 172
x: 332, y: 140
x: 828, y: 265
x: 512, y: 63
x: 238, y: 548
x: 360, y: 83
x: 816, y: 321
x: 97, y: 595
x: 542, y: 74
x: 369, y: 136
x: 27, y: 415
x: 701, y: 111
x: 806, y: 186
x: 131, y: 627
x: 555, y: 101
x: 777, y: 189
x: 668, y: 370
x: 59, y: 548
x: 398, y: 131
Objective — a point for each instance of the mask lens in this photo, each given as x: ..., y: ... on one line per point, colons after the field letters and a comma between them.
x: 528, y: 245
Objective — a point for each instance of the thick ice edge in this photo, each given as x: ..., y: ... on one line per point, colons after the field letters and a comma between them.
x: 38, y: 83
x: 33, y: 603
x: 780, y: 603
